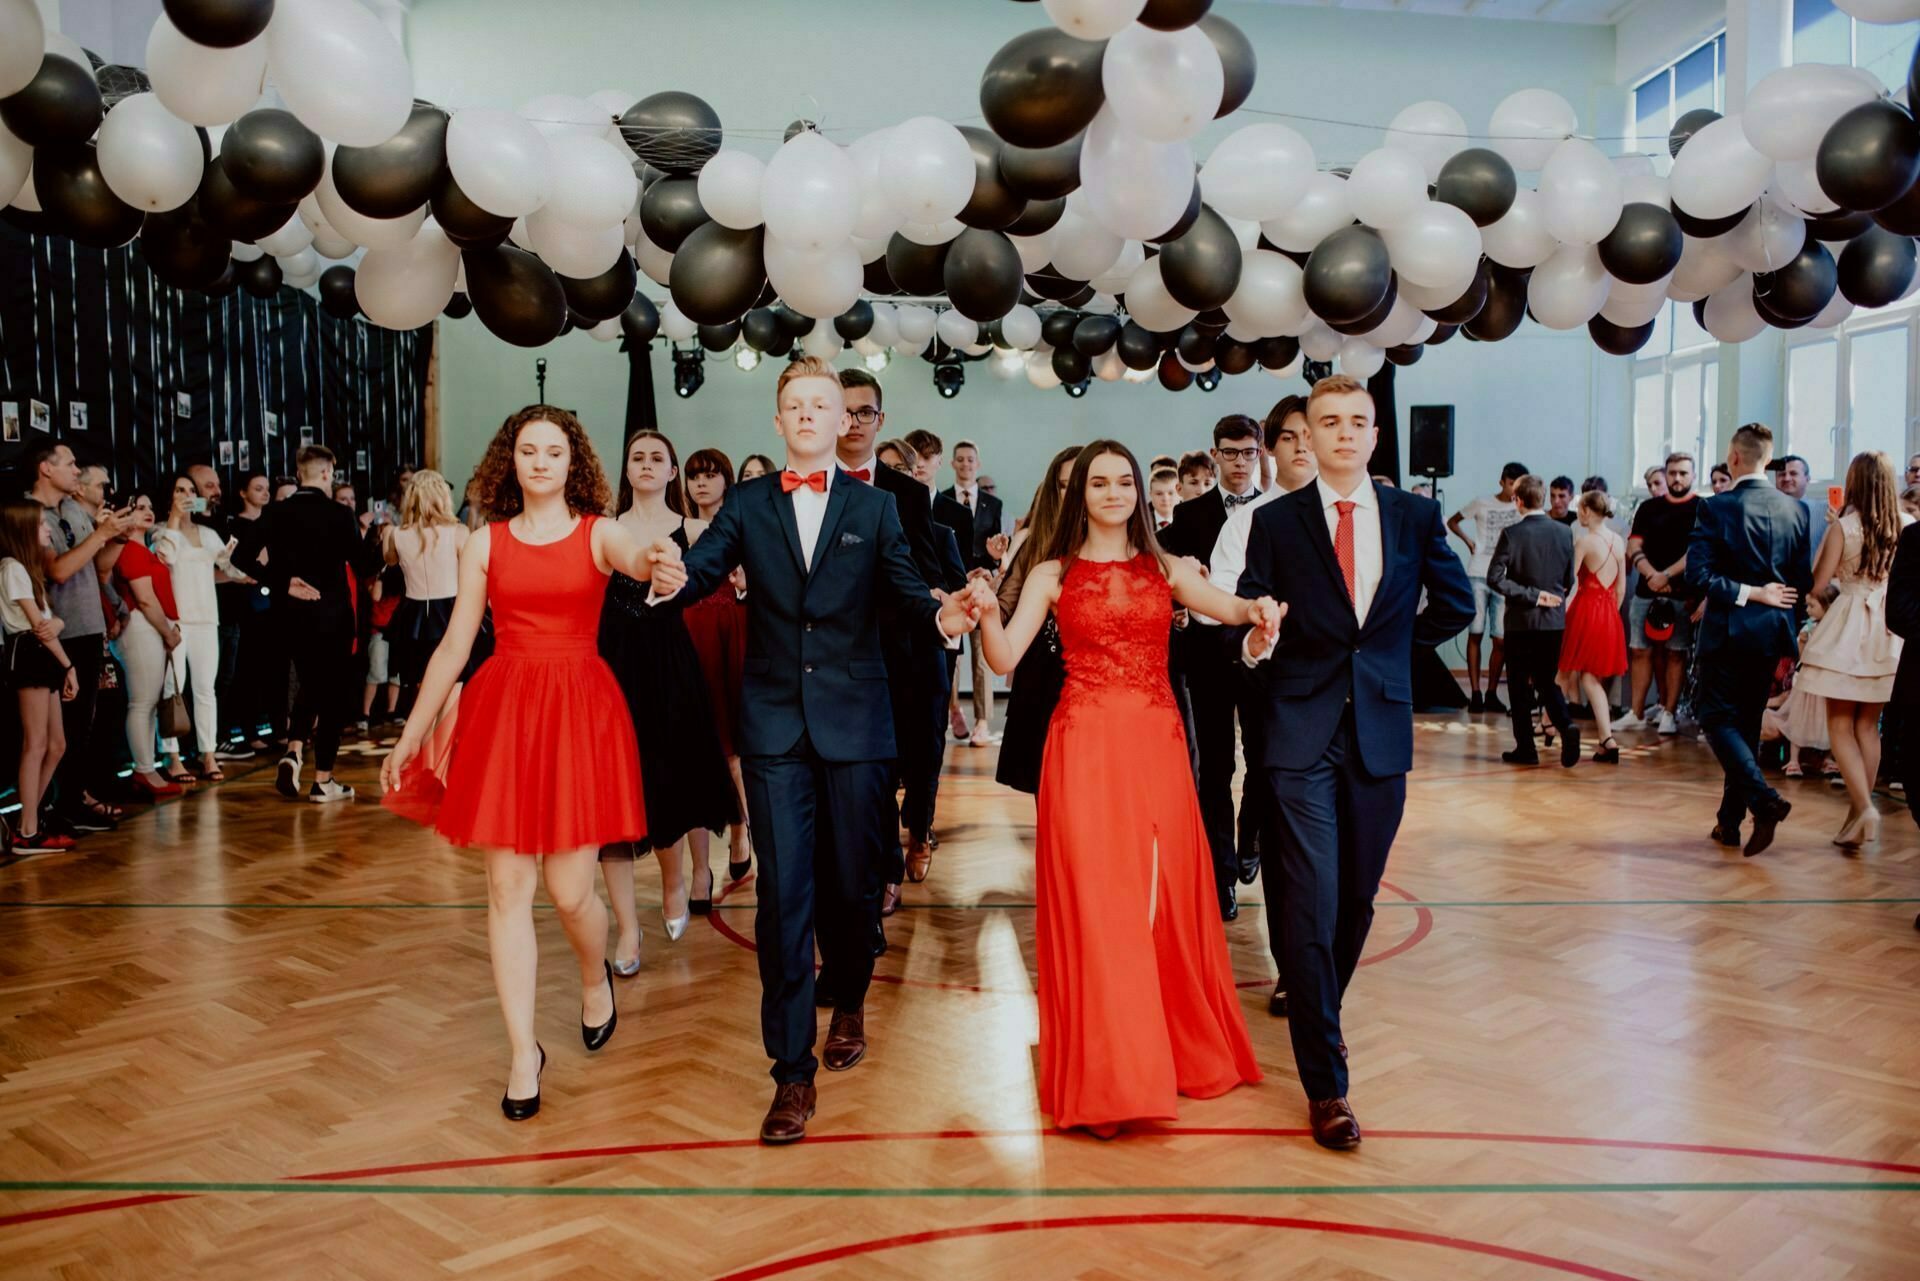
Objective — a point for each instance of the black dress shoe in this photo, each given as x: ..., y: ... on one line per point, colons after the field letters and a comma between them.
x: 1249, y: 866
x: 1229, y: 903
x: 1520, y: 758
x: 879, y: 939
x: 1767, y: 817
x: 1570, y: 748
x: 1723, y: 836
x: 1473, y: 702
x: 1277, y: 1003
x: 595, y: 1037
x: 1492, y: 702
x: 520, y: 1109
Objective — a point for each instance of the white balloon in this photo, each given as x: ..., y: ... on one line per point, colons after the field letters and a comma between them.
x: 1568, y: 289
x: 1082, y: 248
x: 374, y: 233
x: 1704, y: 267
x: 867, y: 346
x: 1093, y: 19
x: 936, y: 233
x: 1149, y: 303
x: 16, y: 162
x: 1833, y: 313
x: 1644, y: 189
x: 1718, y: 172
x: 1360, y: 358
x: 329, y: 243
x: 1322, y: 209
x: 1429, y: 298
x: 1040, y: 371
x: 1402, y: 319
x: 1164, y: 86
x: 907, y: 347
x: 554, y: 114
x: 1320, y: 342
x: 1882, y: 11
x: 606, y: 330
x: 593, y: 183
x: 22, y: 41
x: 656, y: 262
x: 26, y: 197
x: 149, y: 157
x: 1108, y: 367
x: 304, y: 262
x: 1631, y: 313
x: 291, y: 237
x: 1136, y: 188
x: 729, y: 186
x: 407, y: 286
x: 820, y: 284
x: 1021, y: 326
x: 1438, y: 246
x: 1245, y: 230
x: 917, y: 324
x: 880, y: 214
x: 1426, y: 329
x: 245, y: 252
x: 1767, y: 239
x: 1787, y: 114
x: 501, y: 162
x: 811, y: 193
x: 1387, y: 187
x: 1798, y: 184
x: 1521, y: 239
x: 1101, y: 304
x: 1730, y: 314
x: 1582, y: 193
x: 1431, y: 131
x: 886, y: 329
x: 674, y: 323
x: 1114, y: 279
x: 956, y: 330
x: 926, y: 169
x: 869, y: 250
x: 1259, y: 172
x: 572, y: 249
x: 1194, y: 367
x: 1527, y: 126
x: 340, y: 70
x: 63, y: 45
x: 1271, y: 296
x: 1035, y: 251
x: 204, y: 86
x: 823, y: 341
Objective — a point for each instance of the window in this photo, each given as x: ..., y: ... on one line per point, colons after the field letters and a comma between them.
x: 1696, y: 79
x: 1813, y: 402
x: 1853, y: 390
x: 1822, y: 33
x: 1676, y: 403
x: 1877, y: 370
x: 1649, y: 421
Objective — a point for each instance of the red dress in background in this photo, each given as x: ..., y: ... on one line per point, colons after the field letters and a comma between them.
x: 718, y: 624
x: 1596, y: 641
x: 540, y: 757
x: 1136, y: 992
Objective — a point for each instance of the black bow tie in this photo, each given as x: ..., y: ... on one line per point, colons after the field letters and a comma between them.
x: 1239, y: 500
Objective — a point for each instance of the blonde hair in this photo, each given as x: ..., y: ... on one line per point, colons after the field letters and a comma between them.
x: 804, y: 367
x: 1597, y: 502
x: 426, y: 505
x: 1335, y: 385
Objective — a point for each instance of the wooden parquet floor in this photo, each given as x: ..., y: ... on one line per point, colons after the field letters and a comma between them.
x: 245, y: 1038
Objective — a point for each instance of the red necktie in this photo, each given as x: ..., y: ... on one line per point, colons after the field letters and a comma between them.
x: 860, y: 473
x: 791, y: 480
x: 1343, y: 545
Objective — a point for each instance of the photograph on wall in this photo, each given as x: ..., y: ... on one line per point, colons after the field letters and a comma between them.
x: 246, y: 454
x: 273, y: 424
x: 306, y: 434
x: 40, y: 415
x: 77, y: 415
x: 360, y: 460
x: 182, y: 405
x: 226, y: 453
x: 9, y: 420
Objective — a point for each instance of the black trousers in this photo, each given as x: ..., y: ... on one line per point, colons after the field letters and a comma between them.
x: 1533, y: 669
x: 1212, y: 691
x: 79, y: 770
x: 323, y: 667
x: 817, y: 834
x: 1730, y: 695
x: 1335, y: 825
x: 917, y: 687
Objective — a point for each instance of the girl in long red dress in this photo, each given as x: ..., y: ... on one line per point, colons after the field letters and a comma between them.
x: 718, y: 624
x: 542, y: 759
x: 1136, y: 992
x: 1594, y: 650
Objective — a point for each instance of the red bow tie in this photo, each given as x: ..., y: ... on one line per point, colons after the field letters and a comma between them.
x: 860, y: 473
x: 792, y: 480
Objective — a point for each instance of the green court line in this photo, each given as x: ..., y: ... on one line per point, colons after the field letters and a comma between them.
x: 1298, y: 1190
x: 982, y: 907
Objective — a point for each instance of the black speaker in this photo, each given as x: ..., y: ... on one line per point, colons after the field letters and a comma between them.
x: 1430, y: 440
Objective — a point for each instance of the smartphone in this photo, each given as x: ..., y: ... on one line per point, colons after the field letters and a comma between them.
x: 382, y: 511
x: 196, y: 506
x: 1836, y: 495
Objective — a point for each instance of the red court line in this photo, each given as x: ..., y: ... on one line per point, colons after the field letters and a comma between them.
x: 1461, y: 1244
x: 91, y: 1207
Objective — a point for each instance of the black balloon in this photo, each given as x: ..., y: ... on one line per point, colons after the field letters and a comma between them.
x: 1406, y: 355
x: 1644, y: 246
x: 1043, y: 173
x: 1506, y: 306
x: 1706, y: 228
x: 1072, y: 366
x: 782, y: 344
x: 1236, y: 59
x: 517, y: 296
x: 720, y: 337
x: 1081, y: 296
x: 640, y: 322
x: 856, y: 322
x: 1172, y: 15
x: 1056, y: 327
x: 1688, y: 125
x: 792, y: 323
x: 1038, y: 216
x: 1196, y: 346
x: 759, y: 328
x: 466, y: 224
x: 397, y: 176
x: 60, y: 104
x: 1138, y: 347
x: 1876, y: 269
x: 674, y: 132
x: 670, y: 211
x: 1801, y: 289
x: 1468, y: 304
x: 1348, y: 275
x: 241, y: 216
x: 1618, y: 340
x: 1902, y: 217
x: 261, y: 277
x: 1187, y: 219
x: 1444, y: 333
x: 1095, y: 335
x: 1869, y: 157
x: 76, y: 199
x: 1042, y: 88
x: 337, y: 297
x: 994, y: 205
x: 1373, y: 319
x: 980, y: 274
x: 1202, y: 268
x: 1480, y: 183
x: 1774, y: 318
x: 1278, y: 353
x: 1213, y: 320
x: 1231, y: 356
x: 606, y: 295
x: 1174, y: 376
x: 1845, y: 224
x: 182, y: 249
x: 918, y: 269
x: 219, y: 24
x: 717, y: 272
x: 458, y: 307
x: 225, y: 283
x: 271, y: 156
x: 876, y: 279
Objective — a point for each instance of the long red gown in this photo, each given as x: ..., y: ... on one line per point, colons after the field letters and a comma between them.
x: 1136, y: 993
x: 541, y: 756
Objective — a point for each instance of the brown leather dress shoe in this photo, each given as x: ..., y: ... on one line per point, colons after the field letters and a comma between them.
x: 787, y: 1119
x: 846, y: 1040
x: 1334, y: 1125
x: 919, y: 860
x: 890, y: 901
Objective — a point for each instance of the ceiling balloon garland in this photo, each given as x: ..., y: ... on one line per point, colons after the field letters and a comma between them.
x: 1079, y: 233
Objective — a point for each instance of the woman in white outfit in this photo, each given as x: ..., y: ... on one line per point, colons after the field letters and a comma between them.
x: 197, y: 558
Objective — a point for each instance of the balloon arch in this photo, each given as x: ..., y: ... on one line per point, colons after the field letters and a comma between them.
x: 1082, y: 200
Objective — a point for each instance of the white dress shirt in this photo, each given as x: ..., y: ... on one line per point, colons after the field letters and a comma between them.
x: 1230, y: 549
x: 968, y: 496
x: 1369, y: 555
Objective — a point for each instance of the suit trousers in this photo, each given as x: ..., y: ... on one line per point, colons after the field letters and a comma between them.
x: 1533, y: 670
x: 917, y: 692
x: 323, y: 669
x: 817, y: 834
x: 1909, y: 764
x: 1211, y: 689
x: 1730, y: 696
x: 1335, y: 824
x: 81, y: 769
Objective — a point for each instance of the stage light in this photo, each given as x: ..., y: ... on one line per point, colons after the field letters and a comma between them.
x: 1077, y: 390
x: 948, y: 380
x: 689, y: 371
x: 1207, y: 379
x: 879, y: 360
x: 746, y: 360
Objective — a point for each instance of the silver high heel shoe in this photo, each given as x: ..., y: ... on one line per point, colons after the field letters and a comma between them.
x: 676, y: 925
x: 626, y: 969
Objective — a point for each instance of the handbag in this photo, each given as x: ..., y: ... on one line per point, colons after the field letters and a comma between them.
x: 174, y: 721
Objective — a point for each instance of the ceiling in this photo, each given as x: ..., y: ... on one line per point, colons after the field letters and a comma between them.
x: 1594, y: 12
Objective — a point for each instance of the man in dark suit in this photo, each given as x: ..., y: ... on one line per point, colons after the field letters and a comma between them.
x: 981, y: 552
x: 928, y: 450
x: 1349, y: 559
x: 1198, y: 652
x: 822, y: 551
x: 1749, y: 555
x: 1532, y: 567
x: 1903, y: 620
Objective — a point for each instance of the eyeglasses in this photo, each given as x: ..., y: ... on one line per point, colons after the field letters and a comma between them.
x: 1239, y: 455
x: 866, y: 415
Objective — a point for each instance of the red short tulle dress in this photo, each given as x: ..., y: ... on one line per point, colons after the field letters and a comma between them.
x: 536, y: 754
x: 718, y: 624
x: 1136, y: 993
x: 1596, y: 640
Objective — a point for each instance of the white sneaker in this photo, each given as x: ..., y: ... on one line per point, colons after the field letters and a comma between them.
x: 1667, y: 724
x: 1630, y: 721
x: 330, y: 791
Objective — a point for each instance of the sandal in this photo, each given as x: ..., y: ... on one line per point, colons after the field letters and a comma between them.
x: 100, y: 809
x: 1793, y: 770
x: 214, y: 775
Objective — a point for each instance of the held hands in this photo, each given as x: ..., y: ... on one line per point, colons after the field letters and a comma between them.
x: 997, y: 546
x: 1778, y: 595
x: 669, y: 575
x: 301, y: 589
x: 1265, y: 615
x: 960, y: 613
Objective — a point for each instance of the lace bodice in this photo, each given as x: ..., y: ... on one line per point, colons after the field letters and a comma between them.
x: 1114, y: 619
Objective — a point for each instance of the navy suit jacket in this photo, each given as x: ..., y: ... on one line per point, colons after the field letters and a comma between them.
x: 1326, y: 656
x: 1749, y: 536
x: 814, y: 666
x: 915, y: 506
x: 1903, y: 615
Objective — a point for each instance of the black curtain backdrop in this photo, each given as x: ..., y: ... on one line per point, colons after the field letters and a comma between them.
x: 93, y: 328
x: 1386, y: 416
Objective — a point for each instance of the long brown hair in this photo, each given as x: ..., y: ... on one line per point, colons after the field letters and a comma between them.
x: 500, y: 496
x: 1043, y: 515
x: 676, y: 494
x: 20, y: 521
x: 1874, y: 498
x: 1070, y: 531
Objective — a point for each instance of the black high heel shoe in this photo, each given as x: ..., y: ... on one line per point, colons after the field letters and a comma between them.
x: 735, y: 871
x: 703, y: 906
x: 520, y: 1109
x: 1605, y: 754
x: 595, y: 1037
